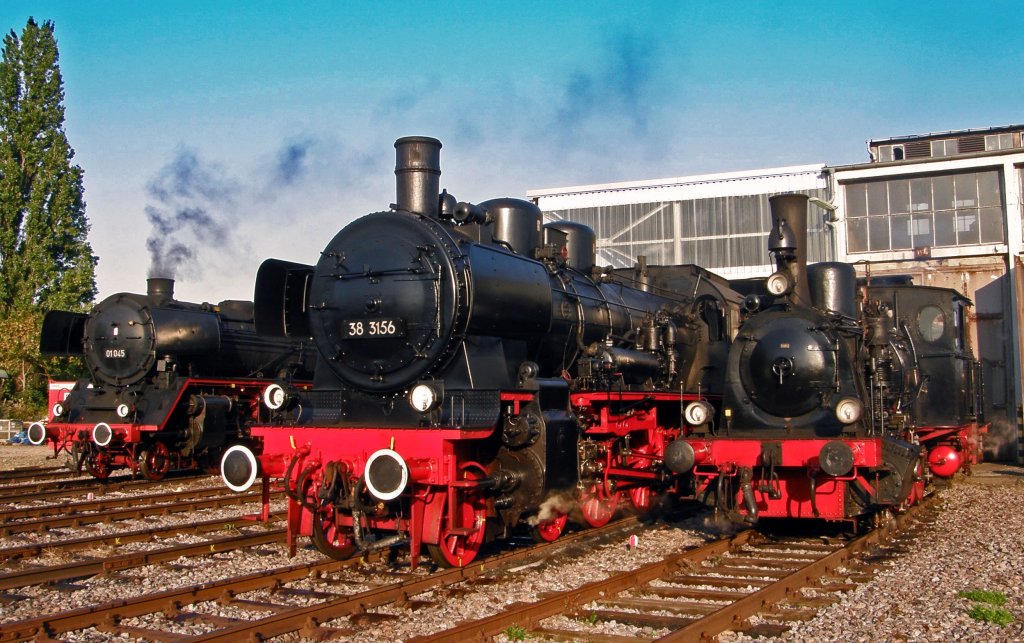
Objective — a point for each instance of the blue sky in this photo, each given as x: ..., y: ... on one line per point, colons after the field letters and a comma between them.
x: 243, y: 131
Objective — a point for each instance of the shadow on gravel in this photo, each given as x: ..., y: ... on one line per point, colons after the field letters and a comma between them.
x: 1009, y: 472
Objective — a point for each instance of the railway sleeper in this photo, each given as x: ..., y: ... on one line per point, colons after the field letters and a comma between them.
x: 305, y: 593
x: 203, y: 618
x: 679, y: 607
x: 782, y: 613
x: 371, y: 618
x: 855, y: 576
x: 635, y: 619
x: 765, y: 630
x: 822, y: 585
x: 593, y: 637
x: 696, y: 594
x: 768, y: 554
x: 258, y: 606
x: 718, y: 581
x: 746, y: 572
x: 768, y: 563
x: 789, y: 546
x: 815, y: 602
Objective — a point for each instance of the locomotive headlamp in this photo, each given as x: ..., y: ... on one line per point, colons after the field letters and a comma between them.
x: 239, y: 467
x: 778, y: 283
x: 697, y: 413
x: 36, y: 433
x: 58, y: 410
x: 424, y: 397
x: 274, y: 397
x: 102, y: 434
x: 849, y: 410
x: 123, y: 410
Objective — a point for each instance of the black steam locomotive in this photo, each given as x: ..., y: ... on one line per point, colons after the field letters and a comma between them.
x: 171, y: 383
x: 478, y: 373
x: 836, y: 397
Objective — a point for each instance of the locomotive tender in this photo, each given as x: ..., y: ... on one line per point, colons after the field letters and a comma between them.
x: 171, y: 383
x: 477, y: 373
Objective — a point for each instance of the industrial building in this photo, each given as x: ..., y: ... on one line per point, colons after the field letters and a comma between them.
x: 943, y: 207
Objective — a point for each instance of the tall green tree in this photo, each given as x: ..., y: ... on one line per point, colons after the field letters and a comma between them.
x: 46, y: 261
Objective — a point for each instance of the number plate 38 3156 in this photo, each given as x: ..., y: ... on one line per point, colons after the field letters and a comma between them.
x: 370, y: 328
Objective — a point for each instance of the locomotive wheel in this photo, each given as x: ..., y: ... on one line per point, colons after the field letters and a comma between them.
x: 642, y: 499
x: 155, y: 461
x: 332, y: 541
x: 597, y: 505
x: 547, y: 531
x: 456, y: 547
x: 97, y: 463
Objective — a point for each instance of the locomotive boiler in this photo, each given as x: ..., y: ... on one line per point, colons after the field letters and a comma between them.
x: 171, y: 383
x: 476, y: 373
x: 835, y: 406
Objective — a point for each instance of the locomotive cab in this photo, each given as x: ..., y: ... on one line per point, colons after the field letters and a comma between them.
x: 931, y: 371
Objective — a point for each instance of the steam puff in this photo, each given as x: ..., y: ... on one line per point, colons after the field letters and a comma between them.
x: 291, y: 162
x: 166, y: 258
x: 558, y: 504
x: 186, y: 178
x: 616, y: 89
x: 191, y: 210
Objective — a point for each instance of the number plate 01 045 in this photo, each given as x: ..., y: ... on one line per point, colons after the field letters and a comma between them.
x: 369, y: 328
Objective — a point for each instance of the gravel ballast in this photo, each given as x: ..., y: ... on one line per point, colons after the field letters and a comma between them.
x: 976, y: 543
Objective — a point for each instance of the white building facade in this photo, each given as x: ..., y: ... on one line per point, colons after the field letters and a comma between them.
x: 717, y: 221
x: 945, y: 208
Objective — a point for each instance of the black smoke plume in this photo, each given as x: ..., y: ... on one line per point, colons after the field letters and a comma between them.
x: 292, y: 162
x: 192, y: 202
x: 616, y: 89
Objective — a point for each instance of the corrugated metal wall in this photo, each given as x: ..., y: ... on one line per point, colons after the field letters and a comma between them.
x: 726, y: 232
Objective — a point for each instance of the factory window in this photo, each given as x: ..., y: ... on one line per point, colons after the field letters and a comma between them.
x: 998, y: 142
x: 944, y: 147
x: 714, y: 232
x: 942, y: 211
x: 890, y: 153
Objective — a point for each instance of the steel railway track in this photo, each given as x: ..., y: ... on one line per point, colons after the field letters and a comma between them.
x: 705, y: 591
x: 272, y: 618
x: 40, y: 519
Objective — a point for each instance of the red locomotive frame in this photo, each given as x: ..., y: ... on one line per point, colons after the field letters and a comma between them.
x: 138, y: 446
